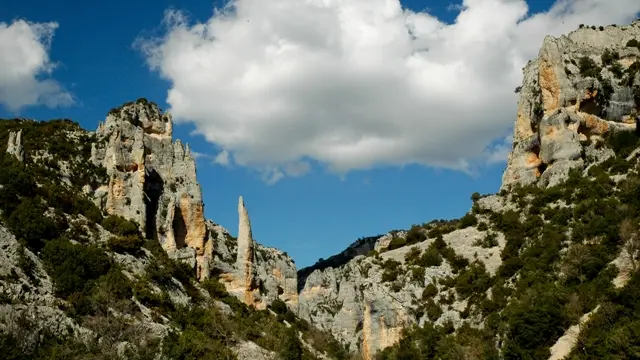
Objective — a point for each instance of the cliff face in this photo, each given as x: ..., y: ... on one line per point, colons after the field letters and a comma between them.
x: 581, y: 87
x: 152, y: 181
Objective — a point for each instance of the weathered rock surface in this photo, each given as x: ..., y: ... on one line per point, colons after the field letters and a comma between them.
x: 14, y: 145
x: 560, y: 106
x: 367, y: 313
x: 258, y: 274
x: 152, y: 180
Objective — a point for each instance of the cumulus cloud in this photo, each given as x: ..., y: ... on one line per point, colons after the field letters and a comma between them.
x: 25, y: 64
x: 222, y: 158
x: 359, y: 83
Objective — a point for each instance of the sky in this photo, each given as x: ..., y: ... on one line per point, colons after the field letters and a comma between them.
x: 334, y: 119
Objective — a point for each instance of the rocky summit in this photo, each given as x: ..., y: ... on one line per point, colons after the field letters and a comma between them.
x: 105, y: 251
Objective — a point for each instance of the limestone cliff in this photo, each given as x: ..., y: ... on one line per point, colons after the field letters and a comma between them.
x: 582, y: 86
x: 152, y: 180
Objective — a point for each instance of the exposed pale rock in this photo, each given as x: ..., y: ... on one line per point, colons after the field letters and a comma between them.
x: 152, y: 180
x: 247, y: 350
x: 14, y: 145
x: 562, y: 348
x: 560, y: 112
x: 255, y: 274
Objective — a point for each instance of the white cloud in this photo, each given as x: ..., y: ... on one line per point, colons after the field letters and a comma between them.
x: 24, y: 61
x: 358, y: 83
x: 499, y: 152
x: 222, y: 158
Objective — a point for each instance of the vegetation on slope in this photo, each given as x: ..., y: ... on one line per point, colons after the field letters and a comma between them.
x: 556, y: 267
x: 49, y: 214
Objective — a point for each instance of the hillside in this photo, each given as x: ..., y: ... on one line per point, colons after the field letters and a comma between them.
x: 105, y: 251
x: 105, y: 254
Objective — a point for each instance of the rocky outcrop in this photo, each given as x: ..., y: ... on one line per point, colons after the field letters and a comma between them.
x: 368, y: 313
x: 259, y: 274
x: 14, y: 145
x: 242, y: 282
x: 580, y: 88
x: 152, y: 180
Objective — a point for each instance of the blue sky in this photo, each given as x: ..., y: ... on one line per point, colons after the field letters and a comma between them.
x: 310, y: 216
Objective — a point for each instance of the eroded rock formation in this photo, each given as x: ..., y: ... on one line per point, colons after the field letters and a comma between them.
x: 580, y: 88
x: 152, y: 180
x: 14, y: 145
x: 258, y: 274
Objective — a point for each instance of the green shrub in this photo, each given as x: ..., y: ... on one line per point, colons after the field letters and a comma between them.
x: 473, y: 280
x: 72, y: 267
x: 412, y: 256
x: 28, y: 223
x: 617, y: 70
x: 215, y: 288
x: 588, y: 67
x: 417, y: 274
x: 490, y: 240
x: 120, y: 226
x: 279, y: 307
x: 431, y: 257
x: 468, y: 220
x: 432, y: 310
x: 608, y: 57
x: 125, y: 244
x: 429, y: 291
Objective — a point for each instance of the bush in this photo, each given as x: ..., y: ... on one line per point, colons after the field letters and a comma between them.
x: 72, y: 267
x: 412, y: 256
x: 29, y: 224
x: 608, y: 57
x: 279, y: 307
x: 417, y: 274
x: 432, y: 310
x: 588, y: 67
x: 474, y: 280
x: 468, y: 220
x: 490, y: 240
x: 120, y: 226
x: 125, y: 244
x: 215, y: 288
x: 431, y: 257
x: 429, y: 291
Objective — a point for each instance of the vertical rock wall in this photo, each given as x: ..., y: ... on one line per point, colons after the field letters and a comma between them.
x: 14, y: 145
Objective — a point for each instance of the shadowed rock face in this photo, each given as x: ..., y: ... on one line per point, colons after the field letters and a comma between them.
x: 561, y: 105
